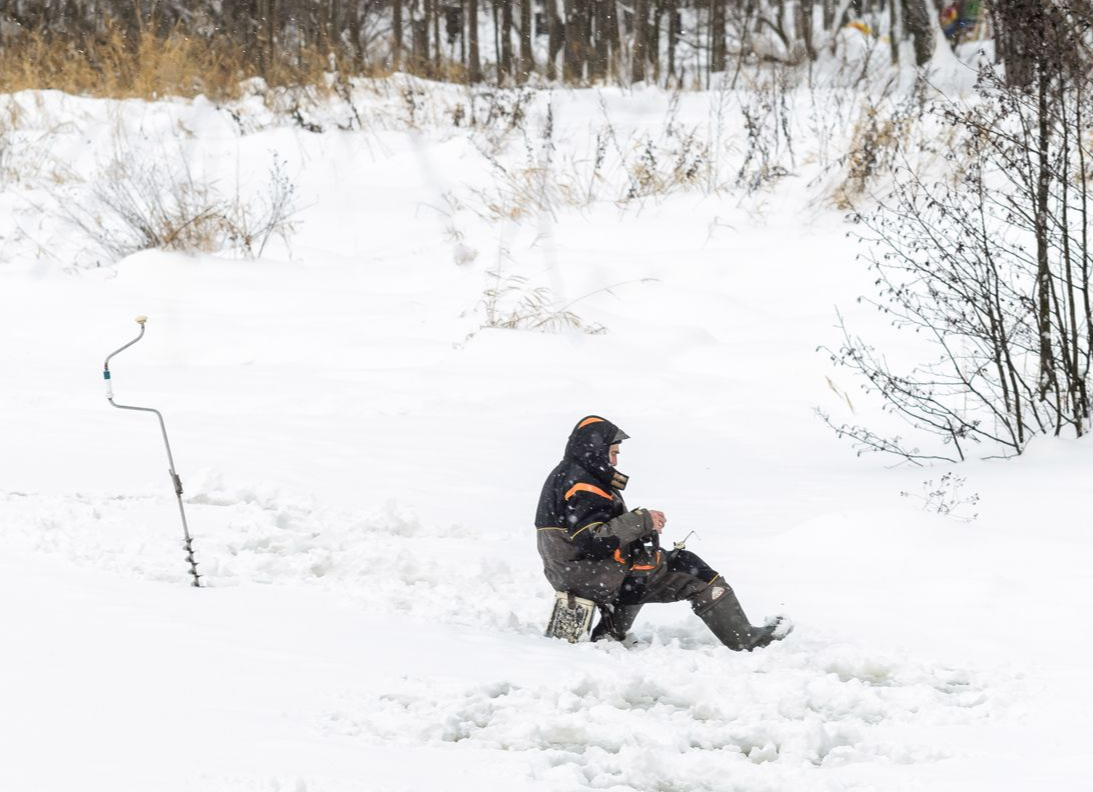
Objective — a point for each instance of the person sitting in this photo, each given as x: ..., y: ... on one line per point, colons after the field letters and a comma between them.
x: 593, y: 548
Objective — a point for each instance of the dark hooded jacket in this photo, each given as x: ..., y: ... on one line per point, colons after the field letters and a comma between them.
x: 588, y: 540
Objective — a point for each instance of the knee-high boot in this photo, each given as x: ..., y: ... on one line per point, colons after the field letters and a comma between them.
x: 719, y: 608
x: 615, y: 621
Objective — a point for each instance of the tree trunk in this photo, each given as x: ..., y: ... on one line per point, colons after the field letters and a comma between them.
x: 1022, y: 35
x: 575, y: 30
x: 717, y: 35
x: 1048, y: 379
x: 601, y: 42
x: 640, y: 56
x: 653, y: 47
x: 496, y: 39
x: 527, y: 56
x: 333, y: 29
x: 426, y: 54
x: 615, y: 33
x: 396, y: 34
x: 920, y: 22
x: 804, y: 25
x: 893, y: 29
x: 463, y: 35
x: 506, y: 38
x: 438, y: 42
x: 556, y: 41
x: 474, y: 62
x: 673, y: 35
x: 419, y: 35
x: 264, y: 36
x: 356, y: 24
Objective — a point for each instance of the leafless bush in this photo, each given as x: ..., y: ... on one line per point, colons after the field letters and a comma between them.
x: 993, y: 268
x: 142, y: 204
x: 251, y: 225
x: 769, y: 142
x: 653, y: 174
x: 946, y: 499
x: 502, y: 109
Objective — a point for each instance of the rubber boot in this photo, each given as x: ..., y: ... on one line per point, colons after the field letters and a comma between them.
x: 615, y: 621
x: 718, y: 606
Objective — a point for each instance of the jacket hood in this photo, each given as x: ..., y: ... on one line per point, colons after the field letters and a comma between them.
x: 588, y: 446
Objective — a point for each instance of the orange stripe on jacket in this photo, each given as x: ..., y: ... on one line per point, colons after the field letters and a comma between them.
x: 586, y: 488
x: 588, y: 421
x: 638, y: 567
x: 647, y: 566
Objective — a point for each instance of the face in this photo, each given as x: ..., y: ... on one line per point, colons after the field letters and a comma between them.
x: 613, y: 455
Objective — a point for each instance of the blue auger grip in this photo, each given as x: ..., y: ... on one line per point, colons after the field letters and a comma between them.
x: 106, y: 374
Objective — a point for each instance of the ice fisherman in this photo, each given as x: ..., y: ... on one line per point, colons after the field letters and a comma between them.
x: 593, y: 548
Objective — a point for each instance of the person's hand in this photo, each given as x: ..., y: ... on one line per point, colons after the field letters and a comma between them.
x: 658, y: 520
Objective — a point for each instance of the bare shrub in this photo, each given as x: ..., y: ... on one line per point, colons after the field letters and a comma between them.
x: 141, y: 204
x: 625, y: 169
x: 769, y: 141
x: 500, y: 109
x: 945, y: 498
x: 251, y: 225
x: 653, y: 173
x: 992, y: 268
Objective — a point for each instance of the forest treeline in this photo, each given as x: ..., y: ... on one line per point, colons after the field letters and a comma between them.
x: 680, y: 43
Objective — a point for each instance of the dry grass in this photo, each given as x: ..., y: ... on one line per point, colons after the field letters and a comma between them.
x: 111, y: 65
x: 660, y: 172
x: 26, y: 155
x: 885, y: 128
x: 512, y: 303
x: 149, y: 65
x: 873, y: 143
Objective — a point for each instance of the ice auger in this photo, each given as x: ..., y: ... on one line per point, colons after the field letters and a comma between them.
x: 175, y: 480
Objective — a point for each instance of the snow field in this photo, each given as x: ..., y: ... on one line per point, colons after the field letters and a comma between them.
x: 361, y: 460
x: 670, y: 705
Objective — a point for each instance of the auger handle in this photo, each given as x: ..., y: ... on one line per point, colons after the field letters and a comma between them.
x: 141, y: 320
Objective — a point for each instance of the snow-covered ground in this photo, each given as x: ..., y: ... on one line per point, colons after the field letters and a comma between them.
x: 362, y: 459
